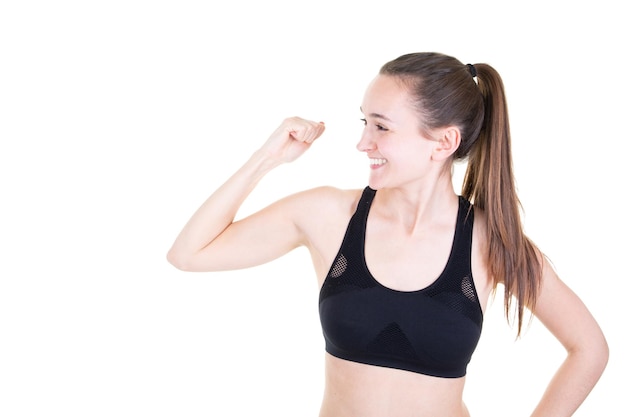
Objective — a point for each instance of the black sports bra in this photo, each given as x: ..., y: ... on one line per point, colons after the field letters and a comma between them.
x: 432, y: 331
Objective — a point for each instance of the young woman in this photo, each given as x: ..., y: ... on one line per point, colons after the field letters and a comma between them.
x: 405, y: 266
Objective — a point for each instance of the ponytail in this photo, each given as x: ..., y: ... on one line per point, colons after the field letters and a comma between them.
x: 489, y: 183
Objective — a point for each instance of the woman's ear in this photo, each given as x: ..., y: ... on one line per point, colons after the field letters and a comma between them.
x: 448, y: 140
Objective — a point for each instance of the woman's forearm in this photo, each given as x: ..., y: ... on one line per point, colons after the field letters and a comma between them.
x: 218, y: 211
x: 573, y: 381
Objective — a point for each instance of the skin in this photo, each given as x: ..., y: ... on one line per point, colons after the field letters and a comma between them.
x: 408, y: 240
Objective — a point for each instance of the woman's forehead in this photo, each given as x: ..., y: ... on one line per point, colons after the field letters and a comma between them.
x: 385, y: 96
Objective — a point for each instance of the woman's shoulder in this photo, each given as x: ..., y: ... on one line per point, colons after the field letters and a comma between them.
x: 327, y: 195
x: 480, y: 230
x: 326, y: 201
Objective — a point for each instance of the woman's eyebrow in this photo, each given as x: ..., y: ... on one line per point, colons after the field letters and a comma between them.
x: 378, y: 116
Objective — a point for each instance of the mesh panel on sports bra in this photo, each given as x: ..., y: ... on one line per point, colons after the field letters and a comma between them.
x: 392, y: 341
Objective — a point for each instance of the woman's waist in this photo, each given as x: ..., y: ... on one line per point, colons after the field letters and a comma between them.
x: 366, y: 390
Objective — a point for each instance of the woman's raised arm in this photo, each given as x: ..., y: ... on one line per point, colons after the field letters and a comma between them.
x: 212, y: 241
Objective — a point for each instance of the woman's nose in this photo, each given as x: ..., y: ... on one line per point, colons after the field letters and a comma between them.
x: 366, y: 144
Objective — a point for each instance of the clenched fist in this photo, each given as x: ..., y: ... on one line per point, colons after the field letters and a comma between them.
x: 294, y: 136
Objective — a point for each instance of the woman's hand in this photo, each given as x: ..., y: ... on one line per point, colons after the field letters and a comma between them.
x: 291, y: 139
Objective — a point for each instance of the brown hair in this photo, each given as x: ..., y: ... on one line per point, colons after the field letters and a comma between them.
x: 445, y: 94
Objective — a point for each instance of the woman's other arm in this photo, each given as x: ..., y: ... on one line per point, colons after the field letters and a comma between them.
x: 566, y: 316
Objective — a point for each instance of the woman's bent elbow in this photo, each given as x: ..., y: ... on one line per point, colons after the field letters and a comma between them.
x: 179, y: 260
x: 597, y: 356
x: 604, y: 354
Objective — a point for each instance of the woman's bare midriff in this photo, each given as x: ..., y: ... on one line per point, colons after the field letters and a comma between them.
x: 357, y: 390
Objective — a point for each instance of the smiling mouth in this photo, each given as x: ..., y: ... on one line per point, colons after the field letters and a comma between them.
x: 376, y: 162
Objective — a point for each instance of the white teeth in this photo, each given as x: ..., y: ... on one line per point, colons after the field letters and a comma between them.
x: 377, y: 161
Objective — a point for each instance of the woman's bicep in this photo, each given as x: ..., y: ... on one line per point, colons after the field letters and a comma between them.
x: 253, y: 240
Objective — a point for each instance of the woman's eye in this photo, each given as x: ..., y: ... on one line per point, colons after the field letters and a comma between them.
x: 378, y: 127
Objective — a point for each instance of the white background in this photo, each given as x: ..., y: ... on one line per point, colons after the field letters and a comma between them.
x: 118, y: 118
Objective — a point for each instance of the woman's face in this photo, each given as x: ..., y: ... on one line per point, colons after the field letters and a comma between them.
x: 398, y: 153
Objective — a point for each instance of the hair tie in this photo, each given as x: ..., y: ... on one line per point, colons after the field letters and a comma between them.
x: 472, y: 70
